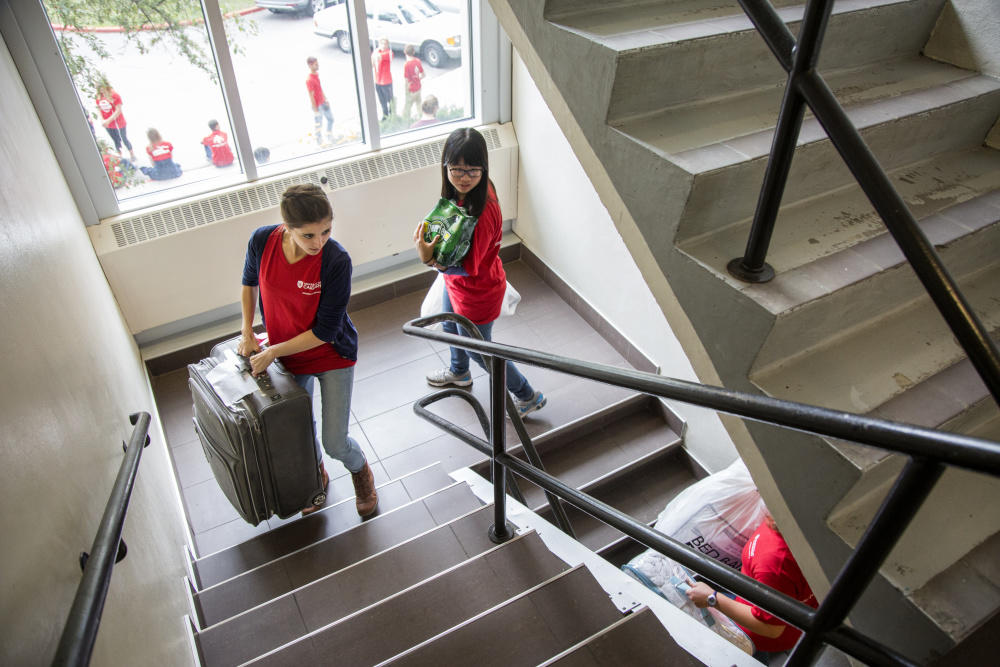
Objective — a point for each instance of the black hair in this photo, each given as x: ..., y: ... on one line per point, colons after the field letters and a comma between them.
x: 468, y: 146
x: 305, y: 204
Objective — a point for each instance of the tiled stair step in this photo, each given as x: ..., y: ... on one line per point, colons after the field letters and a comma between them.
x: 655, y: 67
x: 277, y: 577
x: 899, y: 131
x: 642, y: 495
x: 526, y: 629
x: 411, y: 616
x: 320, y: 603
x: 331, y: 520
x: 834, y: 241
x: 599, y: 449
x: 744, y: 119
x: 637, y: 639
x: 863, y: 367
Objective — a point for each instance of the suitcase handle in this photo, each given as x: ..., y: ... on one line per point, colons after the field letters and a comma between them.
x: 263, y: 380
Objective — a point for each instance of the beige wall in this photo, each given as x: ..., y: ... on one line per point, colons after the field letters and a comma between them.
x: 71, y: 375
x: 561, y: 219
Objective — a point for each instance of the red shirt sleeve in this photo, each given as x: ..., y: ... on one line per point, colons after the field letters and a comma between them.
x: 485, y: 239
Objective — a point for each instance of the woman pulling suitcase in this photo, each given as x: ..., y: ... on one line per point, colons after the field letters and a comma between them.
x: 302, y: 279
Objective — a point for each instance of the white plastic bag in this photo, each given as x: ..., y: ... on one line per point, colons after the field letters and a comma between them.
x: 511, y: 297
x: 434, y: 300
x: 716, y: 515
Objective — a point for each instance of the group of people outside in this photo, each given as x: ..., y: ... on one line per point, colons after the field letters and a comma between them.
x: 300, y: 278
x: 159, y: 151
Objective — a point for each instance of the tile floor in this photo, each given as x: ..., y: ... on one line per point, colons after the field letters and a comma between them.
x: 389, y: 377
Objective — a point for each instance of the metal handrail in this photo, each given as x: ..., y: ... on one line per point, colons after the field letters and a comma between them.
x: 84, y: 619
x: 420, y: 408
x: 805, y: 86
x: 929, y: 450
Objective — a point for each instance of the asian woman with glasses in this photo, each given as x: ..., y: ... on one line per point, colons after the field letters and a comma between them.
x: 474, y: 289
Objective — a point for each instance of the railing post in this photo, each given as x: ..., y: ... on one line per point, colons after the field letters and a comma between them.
x: 904, y: 500
x: 752, y: 267
x: 500, y: 531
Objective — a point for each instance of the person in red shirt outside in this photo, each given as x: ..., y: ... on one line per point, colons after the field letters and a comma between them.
x: 109, y: 103
x: 162, y: 155
x: 217, y: 146
x: 429, y: 116
x: 767, y: 558
x: 413, y: 72
x: 475, y: 289
x: 382, y: 64
x: 301, y: 278
x: 320, y: 105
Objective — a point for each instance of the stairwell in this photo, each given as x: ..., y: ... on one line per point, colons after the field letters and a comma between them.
x: 670, y: 106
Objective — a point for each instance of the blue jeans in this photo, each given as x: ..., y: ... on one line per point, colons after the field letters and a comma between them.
x: 323, y: 111
x: 335, y: 396
x: 517, y: 384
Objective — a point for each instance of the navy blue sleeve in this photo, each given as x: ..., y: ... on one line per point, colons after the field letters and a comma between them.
x: 332, y: 322
x: 255, y: 248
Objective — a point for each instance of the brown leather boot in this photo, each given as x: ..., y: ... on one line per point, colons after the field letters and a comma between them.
x: 366, y: 498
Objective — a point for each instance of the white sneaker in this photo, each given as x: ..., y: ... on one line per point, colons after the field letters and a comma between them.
x: 536, y: 402
x: 443, y: 377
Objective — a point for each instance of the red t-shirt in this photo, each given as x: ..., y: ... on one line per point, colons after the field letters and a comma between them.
x: 107, y: 107
x: 218, y: 143
x: 479, y: 295
x: 767, y: 559
x: 383, y: 68
x: 290, y: 298
x: 161, y: 150
x: 315, y: 89
x: 411, y: 71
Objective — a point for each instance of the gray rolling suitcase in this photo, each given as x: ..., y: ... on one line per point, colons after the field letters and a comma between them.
x: 261, y: 447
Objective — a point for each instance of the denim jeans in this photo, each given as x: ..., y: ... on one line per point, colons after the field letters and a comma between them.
x: 323, y: 111
x: 335, y: 397
x: 517, y: 384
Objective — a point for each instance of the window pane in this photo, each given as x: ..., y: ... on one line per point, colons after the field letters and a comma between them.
x: 149, y: 123
x: 433, y: 84
x: 297, y: 85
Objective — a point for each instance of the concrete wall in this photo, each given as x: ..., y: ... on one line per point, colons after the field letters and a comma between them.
x: 562, y: 220
x: 967, y: 34
x: 71, y: 375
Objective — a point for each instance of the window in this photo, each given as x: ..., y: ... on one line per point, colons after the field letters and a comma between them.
x: 221, y: 93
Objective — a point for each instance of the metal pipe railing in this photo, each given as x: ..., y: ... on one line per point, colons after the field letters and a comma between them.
x: 798, y: 58
x: 928, y: 449
x: 80, y: 631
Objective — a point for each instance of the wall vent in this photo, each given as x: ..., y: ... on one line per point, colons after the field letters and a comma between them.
x: 174, y: 219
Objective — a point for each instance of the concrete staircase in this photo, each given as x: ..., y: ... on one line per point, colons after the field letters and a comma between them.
x: 421, y: 583
x: 670, y: 106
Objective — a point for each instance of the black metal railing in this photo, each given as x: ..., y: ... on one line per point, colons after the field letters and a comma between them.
x: 805, y: 86
x: 929, y: 451
x: 80, y: 632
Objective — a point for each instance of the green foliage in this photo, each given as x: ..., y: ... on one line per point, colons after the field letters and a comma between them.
x: 144, y: 23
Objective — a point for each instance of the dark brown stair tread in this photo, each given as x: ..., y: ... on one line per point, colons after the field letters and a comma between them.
x: 434, y: 606
x: 331, y: 598
x: 280, y: 576
x: 526, y: 630
x: 642, y: 495
x: 289, y: 537
x: 638, y: 639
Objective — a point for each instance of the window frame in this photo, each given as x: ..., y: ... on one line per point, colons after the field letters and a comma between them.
x: 36, y: 54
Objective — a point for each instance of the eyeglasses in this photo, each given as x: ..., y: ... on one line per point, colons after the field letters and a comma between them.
x: 458, y: 172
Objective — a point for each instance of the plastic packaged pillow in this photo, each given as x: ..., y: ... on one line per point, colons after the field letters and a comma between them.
x: 455, y: 226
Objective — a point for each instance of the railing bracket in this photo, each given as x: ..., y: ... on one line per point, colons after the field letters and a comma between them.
x: 764, y: 274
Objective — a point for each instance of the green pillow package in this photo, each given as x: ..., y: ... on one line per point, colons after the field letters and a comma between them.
x: 455, y: 227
